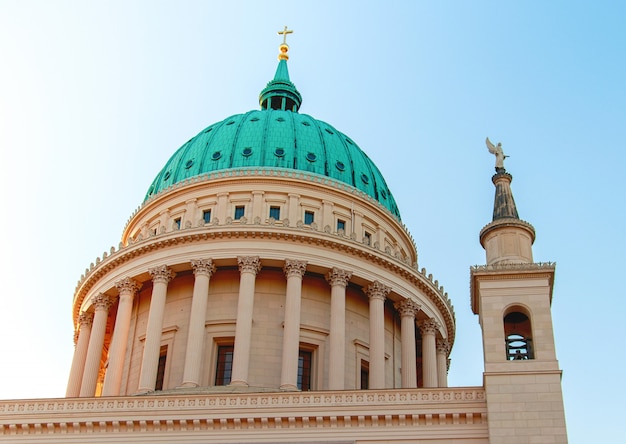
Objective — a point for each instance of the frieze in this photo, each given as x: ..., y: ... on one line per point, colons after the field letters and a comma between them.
x: 208, y: 411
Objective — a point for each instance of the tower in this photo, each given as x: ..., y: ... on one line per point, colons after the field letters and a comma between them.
x: 512, y: 296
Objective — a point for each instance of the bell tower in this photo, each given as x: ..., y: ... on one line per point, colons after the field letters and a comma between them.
x: 512, y: 295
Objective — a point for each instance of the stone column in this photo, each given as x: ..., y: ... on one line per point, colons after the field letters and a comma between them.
x: 102, y: 303
x: 80, y: 355
x: 338, y: 280
x: 202, y: 270
x: 377, y: 294
x: 113, y: 378
x: 429, y: 329
x: 408, y: 309
x: 249, y: 266
x: 149, y: 364
x: 294, y: 272
x: 443, y: 348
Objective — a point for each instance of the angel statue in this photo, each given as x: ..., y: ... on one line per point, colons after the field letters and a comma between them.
x: 497, y: 151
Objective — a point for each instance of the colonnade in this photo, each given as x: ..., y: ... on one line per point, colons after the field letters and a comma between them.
x: 89, y: 345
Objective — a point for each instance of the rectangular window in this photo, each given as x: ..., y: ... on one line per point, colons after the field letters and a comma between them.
x: 206, y: 216
x: 239, y: 211
x: 309, y: 217
x: 161, y: 369
x: 365, y: 374
x: 275, y: 213
x: 177, y: 223
x: 341, y: 225
x: 224, y: 364
x: 304, y: 370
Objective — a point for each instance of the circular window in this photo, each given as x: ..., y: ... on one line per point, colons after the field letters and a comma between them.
x: 311, y: 157
x: 329, y: 131
x: 247, y: 151
x: 279, y: 152
x: 306, y: 123
x: 254, y: 119
x: 365, y: 179
x: 280, y: 119
x: 349, y: 141
x: 208, y: 130
x: 230, y: 123
x: 340, y: 166
x: 188, y: 164
x: 216, y: 155
x: 383, y: 193
x: 167, y: 175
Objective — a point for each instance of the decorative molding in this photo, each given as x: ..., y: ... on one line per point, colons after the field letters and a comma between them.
x: 85, y: 319
x: 337, y: 276
x: 249, y: 264
x: 202, y: 410
x: 376, y: 290
x: 407, y: 307
x: 294, y: 267
x: 428, y: 326
x: 443, y: 346
x: 203, y: 267
x: 127, y: 286
x: 161, y: 274
x: 102, y: 302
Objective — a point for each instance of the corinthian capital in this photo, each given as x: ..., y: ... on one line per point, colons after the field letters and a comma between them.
x: 85, y: 319
x: 376, y: 290
x: 161, y: 274
x: 102, y: 302
x: 428, y: 326
x: 407, y: 307
x: 127, y: 286
x: 443, y: 346
x: 250, y: 264
x: 337, y: 276
x: 203, y: 267
x: 294, y: 267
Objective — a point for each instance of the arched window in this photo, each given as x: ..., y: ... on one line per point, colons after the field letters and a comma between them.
x: 518, y: 336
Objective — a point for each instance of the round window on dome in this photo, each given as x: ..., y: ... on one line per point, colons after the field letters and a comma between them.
x: 254, y: 119
x: 230, y: 123
x: 208, y: 130
x: 311, y: 157
x: 167, y: 175
x: 189, y: 164
x: 280, y: 119
x: 365, y: 179
x: 216, y: 155
x: 329, y: 131
x: 340, y: 166
x: 383, y: 193
x: 306, y: 123
x: 279, y: 152
x: 247, y: 151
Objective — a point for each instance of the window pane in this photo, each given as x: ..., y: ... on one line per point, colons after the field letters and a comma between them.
x: 161, y: 369
x: 341, y: 225
x: 239, y: 212
x: 224, y: 364
x: 308, y: 217
x: 275, y: 212
x: 206, y: 216
x: 304, y: 370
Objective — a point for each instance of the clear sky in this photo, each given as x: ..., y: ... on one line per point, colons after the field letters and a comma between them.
x: 95, y: 97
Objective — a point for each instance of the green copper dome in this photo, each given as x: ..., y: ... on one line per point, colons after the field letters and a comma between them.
x: 276, y: 136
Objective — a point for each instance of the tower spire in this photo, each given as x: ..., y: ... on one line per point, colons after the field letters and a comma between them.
x: 280, y: 93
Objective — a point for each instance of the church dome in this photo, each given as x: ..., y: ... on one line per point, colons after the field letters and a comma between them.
x: 276, y: 137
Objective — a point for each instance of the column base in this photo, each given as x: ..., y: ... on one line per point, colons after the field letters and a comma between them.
x: 143, y: 391
x: 238, y: 383
x: 289, y: 388
x: 188, y: 385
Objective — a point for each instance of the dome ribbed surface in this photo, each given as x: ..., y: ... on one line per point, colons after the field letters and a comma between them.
x: 271, y: 138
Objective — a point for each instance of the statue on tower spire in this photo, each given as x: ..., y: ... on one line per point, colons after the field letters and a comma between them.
x: 497, y: 151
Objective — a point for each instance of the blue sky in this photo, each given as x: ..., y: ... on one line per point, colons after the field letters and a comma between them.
x: 95, y: 97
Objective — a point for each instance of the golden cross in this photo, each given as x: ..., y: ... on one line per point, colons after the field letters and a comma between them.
x: 284, y: 34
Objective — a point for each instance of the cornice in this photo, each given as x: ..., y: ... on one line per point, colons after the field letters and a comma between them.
x: 303, y: 235
x: 327, y: 411
x: 536, y: 270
